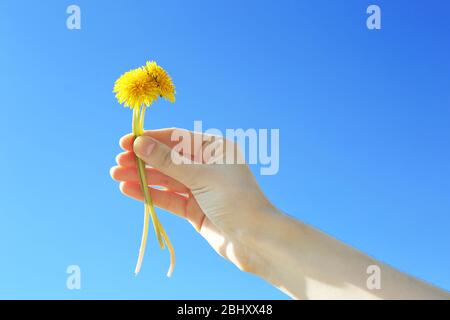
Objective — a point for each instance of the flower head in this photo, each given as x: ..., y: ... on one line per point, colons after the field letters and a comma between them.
x: 144, y: 85
x: 134, y: 89
x: 163, y: 80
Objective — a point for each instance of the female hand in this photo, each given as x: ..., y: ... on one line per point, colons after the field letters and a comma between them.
x: 223, y: 202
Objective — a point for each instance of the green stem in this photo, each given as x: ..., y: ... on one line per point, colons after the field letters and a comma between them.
x: 149, y: 201
x: 141, y: 120
x: 143, y: 178
x: 149, y: 210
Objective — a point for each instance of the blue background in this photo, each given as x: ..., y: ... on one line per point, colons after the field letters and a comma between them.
x: 364, y: 118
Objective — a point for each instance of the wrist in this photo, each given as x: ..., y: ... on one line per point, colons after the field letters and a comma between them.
x: 275, y: 244
x: 263, y: 239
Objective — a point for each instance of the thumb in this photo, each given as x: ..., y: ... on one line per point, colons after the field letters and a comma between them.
x: 169, y: 162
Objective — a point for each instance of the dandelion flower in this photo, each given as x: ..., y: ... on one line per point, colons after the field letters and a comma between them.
x: 138, y: 89
x: 165, y: 84
x: 135, y: 89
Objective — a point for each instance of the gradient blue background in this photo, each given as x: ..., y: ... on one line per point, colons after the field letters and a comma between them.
x: 364, y: 119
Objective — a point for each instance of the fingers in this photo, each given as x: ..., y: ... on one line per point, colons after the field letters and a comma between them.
x: 185, y: 207
x: 191, y: 146
x: 126, y: 159
x: 156, y: 150
x: 160, y: 156
x: 166, y: 200
x: 154, y: 178
x: 163, y: 135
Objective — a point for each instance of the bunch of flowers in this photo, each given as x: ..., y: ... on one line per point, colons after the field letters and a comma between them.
x: 138, y: 89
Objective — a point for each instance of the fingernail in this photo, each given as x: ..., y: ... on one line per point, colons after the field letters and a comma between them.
x: 143, y: 146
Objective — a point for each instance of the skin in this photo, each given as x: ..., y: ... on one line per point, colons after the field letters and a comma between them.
x: 226, y: 206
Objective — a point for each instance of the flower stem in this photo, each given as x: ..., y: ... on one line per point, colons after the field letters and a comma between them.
x: 149, y: 210
x: 171, y: 251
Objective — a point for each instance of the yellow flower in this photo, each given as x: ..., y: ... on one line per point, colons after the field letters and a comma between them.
x: 138, y: 89
x: 135, y: 89
x: 162, y: 78
x: 141, y: 86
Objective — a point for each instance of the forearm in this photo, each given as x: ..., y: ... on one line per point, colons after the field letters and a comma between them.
x: 307, y: 264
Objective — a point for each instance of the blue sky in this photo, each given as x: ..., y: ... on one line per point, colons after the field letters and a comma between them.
x: 364, y: 119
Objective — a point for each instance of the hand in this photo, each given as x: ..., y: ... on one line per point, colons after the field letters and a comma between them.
x: 222, y: 201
